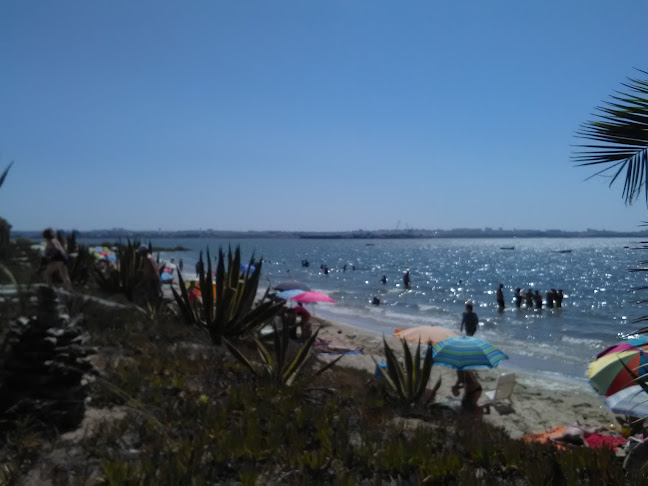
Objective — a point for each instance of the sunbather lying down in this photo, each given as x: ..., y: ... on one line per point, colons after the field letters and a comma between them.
x: 589, y: 437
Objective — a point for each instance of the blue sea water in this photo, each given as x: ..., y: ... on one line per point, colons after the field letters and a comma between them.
x: 599, y: 307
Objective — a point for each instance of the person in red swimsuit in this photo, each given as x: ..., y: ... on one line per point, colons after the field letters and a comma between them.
x: 304, y: 321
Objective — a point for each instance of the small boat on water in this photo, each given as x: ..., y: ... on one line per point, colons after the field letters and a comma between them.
x: 562, y: 251
x: 507, y: 248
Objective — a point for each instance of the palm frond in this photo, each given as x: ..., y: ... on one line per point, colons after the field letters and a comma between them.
x: 620, y: 131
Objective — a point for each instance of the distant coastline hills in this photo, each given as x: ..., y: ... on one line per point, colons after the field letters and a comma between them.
x: 116, y: 233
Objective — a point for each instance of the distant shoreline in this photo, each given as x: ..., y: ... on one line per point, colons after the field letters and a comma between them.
x: 349, y: 235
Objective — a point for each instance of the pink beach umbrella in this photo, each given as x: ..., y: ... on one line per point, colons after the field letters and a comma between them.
x: 311, y: 297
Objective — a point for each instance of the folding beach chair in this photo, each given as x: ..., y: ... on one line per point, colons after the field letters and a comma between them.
x: 503, y: 389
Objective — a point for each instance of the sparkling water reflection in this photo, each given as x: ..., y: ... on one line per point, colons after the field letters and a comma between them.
x: 599, y: 297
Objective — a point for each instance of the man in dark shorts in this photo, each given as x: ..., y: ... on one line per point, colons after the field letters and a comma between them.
x: 469, y: 320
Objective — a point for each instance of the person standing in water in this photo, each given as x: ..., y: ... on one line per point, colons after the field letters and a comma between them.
x: 518, y: 297
x: 384, y: 279
x: 500, y: 298
x: 559, y: 298
x: 538, y: 299
x: 469, y: 320
x: 529, y: 298
x: 406, y: 279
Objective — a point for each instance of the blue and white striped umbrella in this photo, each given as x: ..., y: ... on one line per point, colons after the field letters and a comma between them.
x: 466, y: 353
x: 631, y: 401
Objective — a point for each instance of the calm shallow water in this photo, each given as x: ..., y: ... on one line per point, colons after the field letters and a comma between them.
x: 599, y: 306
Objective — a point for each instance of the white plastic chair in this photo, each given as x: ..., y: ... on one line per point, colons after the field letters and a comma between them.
x: 503, y: 389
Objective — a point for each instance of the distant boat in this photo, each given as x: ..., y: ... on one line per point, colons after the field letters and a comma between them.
x: 507, y: 248
x: 562, y: 251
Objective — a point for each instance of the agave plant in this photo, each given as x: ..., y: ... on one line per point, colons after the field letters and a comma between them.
x: 276, y: 365
x: 232, y: 313
x: 408, y: 381
x: 124, y: 277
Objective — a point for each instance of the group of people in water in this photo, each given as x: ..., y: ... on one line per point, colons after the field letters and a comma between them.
x: 532, y: 299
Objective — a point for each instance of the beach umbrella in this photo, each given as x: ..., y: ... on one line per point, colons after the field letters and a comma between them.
x: 631, y: 401
x: 287, y: 294
x: 466, y: 353
x: 245, y: 267
x: 292, y: 284
x: 424, y: 334
x: 608, y: 375
x: 632, y: 344
x: 311, y: 297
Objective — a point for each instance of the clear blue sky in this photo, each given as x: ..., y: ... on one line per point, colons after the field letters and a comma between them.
x: 303, y: 115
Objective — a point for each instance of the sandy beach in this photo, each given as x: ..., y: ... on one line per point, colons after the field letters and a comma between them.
x: 538, y: 403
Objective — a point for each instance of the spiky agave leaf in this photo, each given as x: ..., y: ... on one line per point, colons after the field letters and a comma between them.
x: 5, y: 172
x: 408, y: 381
x: 184, y: 303
x: 239, y: 356
x: 300, y: 358
x: 425, y: 372
x: 395, y: 371
x: 266, y: 357
x: 409, y: 372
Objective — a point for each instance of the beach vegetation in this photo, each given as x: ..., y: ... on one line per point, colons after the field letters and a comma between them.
x: 169, y: 407
x: 174, y: 409
x: 228, y: 304
x: 122, y: 278
x: 276, y: 363
x: 407, y: 381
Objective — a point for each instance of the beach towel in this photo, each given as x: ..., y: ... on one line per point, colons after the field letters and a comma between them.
x: 596, y: 441
x: 325, y: 347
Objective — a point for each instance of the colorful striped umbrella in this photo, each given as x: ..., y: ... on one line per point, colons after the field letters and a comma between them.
x: 466, y: 353
x: 608, y: 375
x: 631, y: 401
x: 631, y: 345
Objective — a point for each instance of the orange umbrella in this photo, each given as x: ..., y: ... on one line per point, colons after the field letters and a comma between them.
x: 424, y: 334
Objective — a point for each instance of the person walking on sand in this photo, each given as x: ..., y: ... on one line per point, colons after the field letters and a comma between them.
x: 55, y: 259
x: 469, y: 320
x: 500, y: 298
x: 406, y: 280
